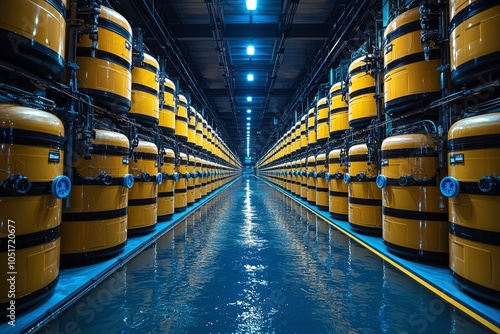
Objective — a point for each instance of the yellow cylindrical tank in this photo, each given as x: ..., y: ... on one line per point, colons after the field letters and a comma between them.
x: 410, y: 80
x: 180, y: 197
x: 364, y: 197
x: 181, y: 118
x: 205, y: 136
x: 323, y: 131
x: 31, y: 188
x: 209, y: 139
x: 474, y: 45
x: 339, y: 110
x: 414, y: 213
x: 473, y: 188
x: 33, y: 34
x: 197, y: 179
x: 107, y: 77
x: 167, y: 113
x: 303, y: 179
x: 298, y: 137
x: 143, y: 196
x: 204, y: 177
x: 338, y: 205
x: 95, y: 226
x: 166, y: 190
x: 321, y: 182
x: 192, y: 126
x: 311, y: 127
x: 311, y: 181
x: 199, y: 131
x: 303, y: 133
x: 362, y: 103
x: 190, y: 180
x: 145, y: 88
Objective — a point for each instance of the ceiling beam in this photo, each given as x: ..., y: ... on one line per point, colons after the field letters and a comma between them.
x: 249, y: 91
x: 189, y: 32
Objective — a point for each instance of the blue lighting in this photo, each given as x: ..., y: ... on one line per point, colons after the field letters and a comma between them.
x: 250, y: 77
x: 249, y: 98
x: 250, y: 50
x: 251, y: 4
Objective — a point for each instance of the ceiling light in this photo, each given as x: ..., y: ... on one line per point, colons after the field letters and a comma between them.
x: 248, y: 124
x: 251, y: 4
x: 249, y: 98
x: 249, y: 118
x: 250, y: 50
x: 249, y: 111
x: 250, y: 77
x: 248, y: 128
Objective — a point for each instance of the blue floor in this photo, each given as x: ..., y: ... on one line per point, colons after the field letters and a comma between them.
x: 76, y: 282
x: 254, y: 260
x: 434, y: 277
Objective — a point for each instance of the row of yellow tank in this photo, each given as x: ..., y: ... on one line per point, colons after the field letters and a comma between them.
x: 120, y: 191
x: 112, y: 196
x: 406, y: 197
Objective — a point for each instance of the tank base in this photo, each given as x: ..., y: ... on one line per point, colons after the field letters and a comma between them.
x: 416, y: 254
x: 311, y: 202
x: 26, y: 302
x: 488, y: 295
x: 366, y: 230
x: 141, y: 230
x: 339, y: 216
x: 164, y: 217
x: 323, y: 208
x: 190, y: 204
x: 177, y: 210
x: 75, y: 259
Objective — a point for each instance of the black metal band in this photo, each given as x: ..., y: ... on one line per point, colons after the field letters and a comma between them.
x: 113, y: 150
x: 365, y: 201
x: 409, y: 153
x: 142, y: 201
x: 32, y: 138
x: 32, y: 239
x: 474, y: 143
x: 358, y: 157
x: 363, y: 91
x: 415, y: 215
x: 471, y: 10
x: 166, y: 194
x: 402, y: 30
x: 146, y: 156
x: 103, y: 55
x: 321, y: 121
x: 148, y: 67
x: 37, y: 189
x: 485, y: 237
x: 145, y: 89
x: 338, y: 194
x: 337, y: 110
x: 411, y: 59
x: 114, y: 27
x: 472, y: 188
x: 96, y: 215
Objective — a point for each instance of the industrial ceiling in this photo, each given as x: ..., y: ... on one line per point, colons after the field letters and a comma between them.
x: 204, y: 43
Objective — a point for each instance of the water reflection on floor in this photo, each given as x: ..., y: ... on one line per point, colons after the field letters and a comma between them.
x: 254, y: 261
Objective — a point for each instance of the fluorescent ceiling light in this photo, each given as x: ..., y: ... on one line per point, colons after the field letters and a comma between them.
x: 251, y: 4
x: 249, y: 111
x: 250, y: 77
x: 249, y: 98
x: 249, y: 118
x: 250, y: 50
x: 248, y: 124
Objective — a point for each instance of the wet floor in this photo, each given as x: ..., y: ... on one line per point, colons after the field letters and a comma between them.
x: 254, y: 261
